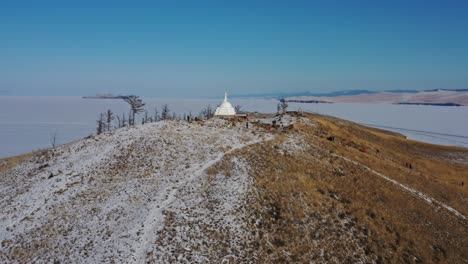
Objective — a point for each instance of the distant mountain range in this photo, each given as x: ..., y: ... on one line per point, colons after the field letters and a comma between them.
x: 280, y: 95
x: 439, y: 97
x: 290, y: 94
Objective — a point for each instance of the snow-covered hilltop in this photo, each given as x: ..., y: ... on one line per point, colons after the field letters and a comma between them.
x: 104, y: 198
x: 304, y: 189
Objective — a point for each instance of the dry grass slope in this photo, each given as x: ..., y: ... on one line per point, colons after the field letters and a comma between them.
x: 312, y: 205
x: 10, y: 162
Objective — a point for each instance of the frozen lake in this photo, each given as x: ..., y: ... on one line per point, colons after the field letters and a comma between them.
x: 27, y: 123
x: 443, y: 125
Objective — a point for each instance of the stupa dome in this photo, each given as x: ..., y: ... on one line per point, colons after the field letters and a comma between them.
x: 225, y: 109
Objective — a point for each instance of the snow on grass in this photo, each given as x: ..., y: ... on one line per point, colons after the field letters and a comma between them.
x: 105, y: 198
x: 207, y: 223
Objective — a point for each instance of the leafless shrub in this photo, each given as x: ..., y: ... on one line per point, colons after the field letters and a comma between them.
x: 207, y: 112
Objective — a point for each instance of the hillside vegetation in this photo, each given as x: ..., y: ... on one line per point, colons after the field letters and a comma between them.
x: 314, y: 189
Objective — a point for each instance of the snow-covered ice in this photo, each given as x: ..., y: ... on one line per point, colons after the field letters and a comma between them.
x: 27, y: 123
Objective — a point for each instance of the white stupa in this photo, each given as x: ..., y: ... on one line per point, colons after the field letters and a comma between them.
x: 225, y: 109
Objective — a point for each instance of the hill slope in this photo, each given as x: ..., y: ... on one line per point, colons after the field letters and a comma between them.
x: 202, y: 192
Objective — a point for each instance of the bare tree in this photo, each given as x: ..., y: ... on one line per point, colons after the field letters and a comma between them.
x: 156, y: 114
x: 174, y: 115
x: 145, y: 118
x: 207, y: 112
x: 165, y: 112
x: 237, y: 108
x: 109, y: 118
x: 130, y: 120
x: 119, y: 121
x: 284, y: 106
x: 100, y: 124
x: 124, y: 120
x: 136, y: 105
x: 53, y: 140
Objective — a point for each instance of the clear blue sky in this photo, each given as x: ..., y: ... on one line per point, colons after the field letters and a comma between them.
x: 201, y: 48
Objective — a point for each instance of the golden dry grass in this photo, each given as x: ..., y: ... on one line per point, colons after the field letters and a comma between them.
x: 312, y: 205
x: 10, y: 162
x: 431, y: 171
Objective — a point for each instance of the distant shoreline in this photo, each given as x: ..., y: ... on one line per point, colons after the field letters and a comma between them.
x: 102, y: 97
x: 308, y: 101
x: 434, y: 104
x: 105, y: 96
